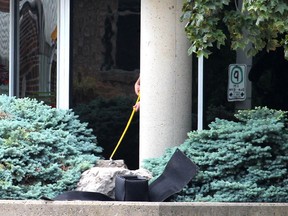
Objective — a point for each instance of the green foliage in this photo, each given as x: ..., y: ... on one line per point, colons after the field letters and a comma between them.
x: 203, y: 19
x: 259, y: 23
x: 239, y: 161
x: 43, y: 150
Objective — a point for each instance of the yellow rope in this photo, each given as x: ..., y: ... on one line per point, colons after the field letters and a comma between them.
x: 127, y: 125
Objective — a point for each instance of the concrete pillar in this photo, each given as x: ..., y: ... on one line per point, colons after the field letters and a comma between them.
x: 166, y: 78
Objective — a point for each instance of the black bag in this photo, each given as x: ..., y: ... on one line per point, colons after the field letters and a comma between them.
x: 177, y: 173
x: 131, y: 188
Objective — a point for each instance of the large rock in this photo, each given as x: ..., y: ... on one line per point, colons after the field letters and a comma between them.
x: 101, y: 178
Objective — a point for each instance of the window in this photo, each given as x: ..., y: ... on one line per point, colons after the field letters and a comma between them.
x: 4, y: 46
x: 37, y: 50
x: 105, y: 65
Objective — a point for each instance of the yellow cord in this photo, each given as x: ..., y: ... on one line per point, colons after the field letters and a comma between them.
x: 127, y: 125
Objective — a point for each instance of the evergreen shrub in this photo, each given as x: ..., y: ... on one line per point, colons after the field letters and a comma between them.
x: 43, y: 150
x: 239, y: 161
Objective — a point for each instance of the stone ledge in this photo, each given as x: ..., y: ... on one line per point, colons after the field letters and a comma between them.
x: 86, y: 208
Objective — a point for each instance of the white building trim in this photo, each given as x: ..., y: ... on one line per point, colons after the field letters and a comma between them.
x: 63, y: 55
x: 14, y: 49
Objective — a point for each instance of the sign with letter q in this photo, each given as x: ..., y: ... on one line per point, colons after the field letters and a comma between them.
x: 236, y: 84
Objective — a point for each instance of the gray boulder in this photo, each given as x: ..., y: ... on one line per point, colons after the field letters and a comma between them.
x: 101, y: 178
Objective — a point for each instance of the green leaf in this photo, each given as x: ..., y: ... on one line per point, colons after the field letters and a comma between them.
x: 281, y: 8
x: 192, y: 49
x: 272, y: 44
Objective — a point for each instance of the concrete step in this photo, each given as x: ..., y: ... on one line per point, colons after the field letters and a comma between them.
x: 99, y: 208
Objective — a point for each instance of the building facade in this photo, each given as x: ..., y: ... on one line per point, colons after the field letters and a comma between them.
x: 74, y: 54
x: 70, y: 52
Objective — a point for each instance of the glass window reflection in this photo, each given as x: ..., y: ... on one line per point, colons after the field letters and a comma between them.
x: 4, y: 46
x: 38, y: 36
x: 105, y: 65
